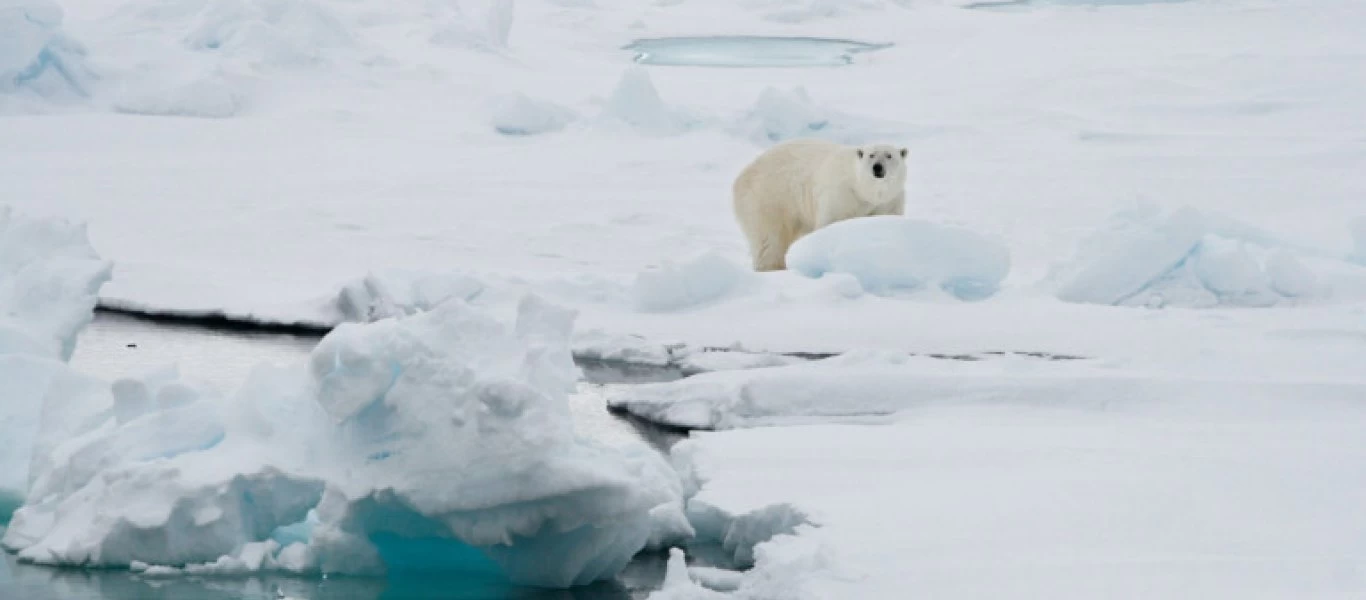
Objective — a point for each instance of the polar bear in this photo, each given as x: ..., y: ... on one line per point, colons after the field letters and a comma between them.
x: 802, y: 185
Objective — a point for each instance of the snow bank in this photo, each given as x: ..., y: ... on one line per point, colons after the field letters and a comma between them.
x: 1147, y: 258
x: 517, y: 114
x: 49, y: 281
x: 36, y: 56
x: 890, y: 253
x: 442, y: 440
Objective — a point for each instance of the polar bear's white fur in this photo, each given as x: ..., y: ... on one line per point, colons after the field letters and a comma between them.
x: 799, y: 186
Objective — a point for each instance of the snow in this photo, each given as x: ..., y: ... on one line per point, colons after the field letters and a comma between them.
x: 49, y: 279
x: 444, y: 431
x: 891, y: 253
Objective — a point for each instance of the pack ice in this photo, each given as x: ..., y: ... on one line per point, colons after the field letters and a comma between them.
x: 36, y: 57
x: 440, y: 440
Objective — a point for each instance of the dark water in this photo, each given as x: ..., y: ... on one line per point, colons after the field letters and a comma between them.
x: 115, y: 346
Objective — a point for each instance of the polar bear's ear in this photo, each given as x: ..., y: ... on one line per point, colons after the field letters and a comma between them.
x: 860, y: 152
x: 903, y: 153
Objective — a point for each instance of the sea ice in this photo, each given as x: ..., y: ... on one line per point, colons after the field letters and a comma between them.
x: 440, y: 440
x: 891, y: 253
x: 49, y: 279
x: 1181, y: 258
x: 36, y: 56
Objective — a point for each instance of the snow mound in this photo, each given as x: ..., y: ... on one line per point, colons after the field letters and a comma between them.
x: 210, y: 98
x: 49, y: 282
x: 636, y: 103
x: 36, y: 56
x: 780, y: 115
x: 517, y: 114
x: 890, y: 253
x: 277, y: 33
x: 695, y: 281
x: 1147, y: 258
x: 440, y: 440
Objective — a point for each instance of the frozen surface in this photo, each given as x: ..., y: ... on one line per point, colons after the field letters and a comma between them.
x: 891, y: 253
x: 1180, y: 492
x: 748, y: 51
x: 49, y: 278
x: 360, y: 138
x: 445, y: 432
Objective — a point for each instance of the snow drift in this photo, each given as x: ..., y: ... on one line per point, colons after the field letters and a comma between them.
x: 437, y: 441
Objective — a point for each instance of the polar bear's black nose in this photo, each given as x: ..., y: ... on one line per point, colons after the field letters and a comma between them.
x: 878, y: 171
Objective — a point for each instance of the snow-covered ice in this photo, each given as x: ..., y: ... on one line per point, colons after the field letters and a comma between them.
x: 1183, y: 259
x: 37, y: 58
x: 891, y: 253
x: 49, y: 279
x: 354, y: 170
x: 447, y: 432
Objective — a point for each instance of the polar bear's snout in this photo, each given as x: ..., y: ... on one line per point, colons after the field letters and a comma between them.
x: 878, y: 171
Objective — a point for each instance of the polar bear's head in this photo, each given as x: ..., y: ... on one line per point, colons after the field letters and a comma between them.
x: 881, y: 169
